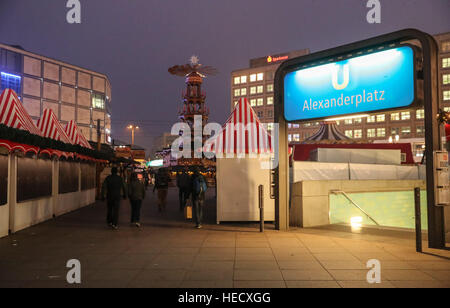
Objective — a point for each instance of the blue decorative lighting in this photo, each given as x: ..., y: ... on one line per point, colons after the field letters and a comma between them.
x: 10, y: 75
x: 10, y: 81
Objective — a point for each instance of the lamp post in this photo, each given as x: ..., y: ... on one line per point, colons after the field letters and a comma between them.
x: 133, y: 128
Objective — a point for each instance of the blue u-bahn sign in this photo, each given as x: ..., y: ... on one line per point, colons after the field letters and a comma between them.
x: 362, y: 84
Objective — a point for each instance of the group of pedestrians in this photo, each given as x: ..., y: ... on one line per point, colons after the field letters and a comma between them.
x: 114, y: 189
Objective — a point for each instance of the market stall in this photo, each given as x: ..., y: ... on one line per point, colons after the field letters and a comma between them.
x: 243, y: 151
x: 44, y: 171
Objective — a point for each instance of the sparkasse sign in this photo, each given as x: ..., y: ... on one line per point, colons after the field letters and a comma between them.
x: 377, y: 81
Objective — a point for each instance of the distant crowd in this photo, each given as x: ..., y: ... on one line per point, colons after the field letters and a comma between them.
x: 133, y: 186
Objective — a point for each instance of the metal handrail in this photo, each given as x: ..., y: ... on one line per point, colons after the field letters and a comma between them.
x: 354, y: 203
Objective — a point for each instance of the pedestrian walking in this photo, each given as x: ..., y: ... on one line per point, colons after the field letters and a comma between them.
x: 145, y: 178
x: 113, y: 189
x: 136, y: 193
x: 184, y: 187
x: 199, y: 188
x: 162, y: 180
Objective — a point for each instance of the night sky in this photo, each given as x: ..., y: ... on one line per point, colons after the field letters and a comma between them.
x: 134, y: 42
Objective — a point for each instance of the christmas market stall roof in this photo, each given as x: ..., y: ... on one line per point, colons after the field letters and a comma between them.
x: 242, y: 134
x: 328, y: 131
x: 51, y: 128
x: 18, y: 132
x: 13, y: 114
x: 75, y: 135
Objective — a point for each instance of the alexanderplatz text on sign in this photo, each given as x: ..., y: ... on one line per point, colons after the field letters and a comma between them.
x: 369, y: 76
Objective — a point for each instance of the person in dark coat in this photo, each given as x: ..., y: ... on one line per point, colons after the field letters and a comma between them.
x: 184, y: 187
x: 136, y: 193
x: 162, y: 180
x: 199, y: 188
x: 113, y: 188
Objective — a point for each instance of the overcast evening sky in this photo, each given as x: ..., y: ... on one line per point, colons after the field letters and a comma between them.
x: 134, y: 42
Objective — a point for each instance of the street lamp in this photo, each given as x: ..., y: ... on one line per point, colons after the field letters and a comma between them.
x: 133, y: 128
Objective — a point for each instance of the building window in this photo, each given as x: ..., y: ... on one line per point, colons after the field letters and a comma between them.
x: 420, y: 130
x: 357, y: 121
x: 252, y: 90
x: 289, y: 125
x: 420, y: 114
x: 270, y: 126
x: 260, y: 76
x: 270, y: 113
x: 348, y: 121
x: 446, y: 79
x: 289, y: 137
x: 260, y: 89
x: 447, y: 109
x: 270, y: 88
x: 243, y: 79
x: 253, y: 102
x: 381, y: 118
x: 296, y: 137
x: 357, y: 133
x: 381, y: 132
x: 406, y: 130
x: 446, y: 95
x: 260, y: 101
x: 237, y: 80
x: 395, y: 131
x: 406, y: 115
x: 296, y: 125
x: 235, y: 103
x: 270, y: 100
x: 252, y: 77
x: 10, y: 60
x: 371, y: 133
x: 98, y: 101
x: 9, y: 81
x: 243, y: 91
x: 237, y: 92
x: 260, y: 114
x: 445, y: 62
x: 395, y: 116
x: 445, y: 46
x: 349, y: 133
x: 371, y: 119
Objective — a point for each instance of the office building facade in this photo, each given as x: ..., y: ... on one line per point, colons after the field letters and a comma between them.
x: 72, y: 92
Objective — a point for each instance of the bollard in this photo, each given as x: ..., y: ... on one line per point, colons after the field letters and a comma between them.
x: 261, y: 207
x: 418, y: 219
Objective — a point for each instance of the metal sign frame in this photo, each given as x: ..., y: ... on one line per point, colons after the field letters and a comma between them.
x: 436, y: 232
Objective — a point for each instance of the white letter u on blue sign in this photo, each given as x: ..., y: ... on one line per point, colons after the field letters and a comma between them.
x: 346, y: 78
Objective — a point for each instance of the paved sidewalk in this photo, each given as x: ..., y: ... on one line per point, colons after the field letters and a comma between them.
x: 168, y: 252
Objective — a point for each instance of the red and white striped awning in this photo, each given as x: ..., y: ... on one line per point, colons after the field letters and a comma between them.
x: 51, y: 128
x: 75, y: 135
x: 243, y: 133
x: 13, y: 114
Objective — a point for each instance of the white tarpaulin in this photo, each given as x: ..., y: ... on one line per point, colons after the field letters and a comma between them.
x: 315, y: 171
x: 356, y: 156
x: 311, y: 171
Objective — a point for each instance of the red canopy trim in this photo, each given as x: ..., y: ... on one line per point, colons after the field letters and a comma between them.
x: 447, y: 132
x: 14, y: 146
